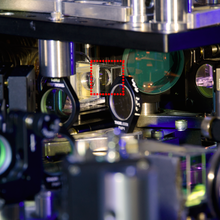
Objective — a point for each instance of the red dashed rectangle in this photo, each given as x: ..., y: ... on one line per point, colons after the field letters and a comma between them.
x: 107, y: 61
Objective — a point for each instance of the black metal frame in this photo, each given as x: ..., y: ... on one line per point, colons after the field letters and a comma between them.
x: 100, y: 32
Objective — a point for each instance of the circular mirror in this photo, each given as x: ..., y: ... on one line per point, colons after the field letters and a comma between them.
x: 5, y: 154
x: 56, y: 101
x: 204, y: 80
x: 153, y: 72
x: 85, y: 80
x: 121, y: 106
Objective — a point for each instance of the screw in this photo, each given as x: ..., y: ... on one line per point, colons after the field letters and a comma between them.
x: 57, y: 15
x: 157, y: 134
x: 181, y: 125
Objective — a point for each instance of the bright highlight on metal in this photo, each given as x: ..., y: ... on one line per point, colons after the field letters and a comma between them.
x: 56, y: 101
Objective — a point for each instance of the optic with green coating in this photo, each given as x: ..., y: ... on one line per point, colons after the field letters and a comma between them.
x: 2, y: 154
x: 57, y: 102
x: 5, y: 154
x: 153, y: 72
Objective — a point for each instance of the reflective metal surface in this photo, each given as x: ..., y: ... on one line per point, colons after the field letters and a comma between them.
x: 55, y: 58
x: 105, y: 12
x: 138, y: 11
x: 202, y: 18
x: 97, y: 141
x: 217, y: 94
x: 119, y: 186
x: 210, y: 2
x: 38, y: 25
x: 206, y: 126
x: 27, y: 5
x: 44, y: 204
x: 57, y: 146
x: 167, y: 119
x: 149, y: 108
x: 169, y: 15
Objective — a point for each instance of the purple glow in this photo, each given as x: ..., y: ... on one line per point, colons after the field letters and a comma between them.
x: 122, y: 143
x: 117, y: 131
x: 72, y: 50
x: 21, y: 204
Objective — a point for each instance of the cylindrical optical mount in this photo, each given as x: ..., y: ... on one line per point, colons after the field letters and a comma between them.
x: 169, y: 15
x: 55, y: 58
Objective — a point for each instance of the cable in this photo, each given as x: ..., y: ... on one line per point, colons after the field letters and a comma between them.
x: 83, y: 54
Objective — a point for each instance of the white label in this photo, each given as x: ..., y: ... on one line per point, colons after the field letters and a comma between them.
x: 137, y: 103
x: 134, y: 85
x: 52, y: 179
x: 121, y: 128
x: 121, y: 123
x: 57, y: 85
x: 55, y: 80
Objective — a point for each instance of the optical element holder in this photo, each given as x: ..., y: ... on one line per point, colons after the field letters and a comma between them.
x: 22, y: 178
x: 55, y: 58
x: 64, y: 85
x: 125, y: 108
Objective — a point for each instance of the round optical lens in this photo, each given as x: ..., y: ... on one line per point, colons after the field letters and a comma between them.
x: 204, y: 80
x: 153, y: 72
x: 56, y: 101
x: 5, y: 154
x: 2, y: 153
x: 121, y: 106
x: 86, y: 79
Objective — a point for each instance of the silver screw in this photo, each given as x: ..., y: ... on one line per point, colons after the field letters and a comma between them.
x: 181, y: 125
x: 57, y: 14
x: 157, y: 134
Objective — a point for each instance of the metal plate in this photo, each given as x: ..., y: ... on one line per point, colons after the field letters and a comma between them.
x: 109, y: 33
